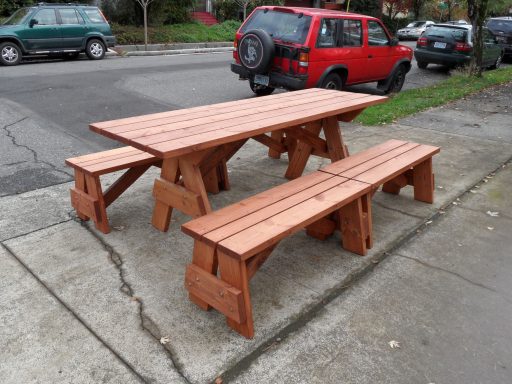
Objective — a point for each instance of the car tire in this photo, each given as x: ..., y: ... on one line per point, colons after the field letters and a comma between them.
x: 10, y: 53
x: 333, y: 81
x: 256, y: 51
x: 397, y: 81
x: 260, y: 90
x: 95, y: 49
x: 422, y: 64
x: 498, y: 62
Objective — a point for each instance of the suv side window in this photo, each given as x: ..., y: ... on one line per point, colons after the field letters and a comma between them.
x: 69, y: 16
x: 327, y: 34
x: 46, y: 17
x: 352, y: 33
x: 94, y: 15
x: 376, y: 34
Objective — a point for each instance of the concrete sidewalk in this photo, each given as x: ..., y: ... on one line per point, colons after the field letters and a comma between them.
x: 79, y: 306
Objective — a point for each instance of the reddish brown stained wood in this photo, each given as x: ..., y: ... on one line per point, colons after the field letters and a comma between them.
x: 393, y: 186
x: 221, y: 217
x: 178, y: 197
x: 123, y: 183
x: 192, y: 178
x: 321, y: 229
x: 349, y: 116
x: 301, y: 152
x: 95, y: 192
x: 423, y: 181
x: 234, y: 272
x: 353, y: 227
x: 277, y: 136
x: 335, y: 146
x: 275, y: 146
x: 204, y: 257
x: 162, y: 212
x: 222, y: 296
x: 359, y: 158
x: 242, y: 104
x: 257, y: 261
x: 84, y: 204
x: 307, y: 137
x: 80, y: 186
x: 266, y: 233
x: 397, y: 165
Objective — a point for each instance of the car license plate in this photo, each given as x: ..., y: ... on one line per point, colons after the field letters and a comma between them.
x: 438, y: 44
x: 261, y: 80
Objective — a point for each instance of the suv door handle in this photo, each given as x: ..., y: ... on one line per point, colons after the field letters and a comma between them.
x: 370, y: 56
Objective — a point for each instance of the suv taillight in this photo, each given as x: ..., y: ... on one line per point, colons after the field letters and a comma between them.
x: 422, y: 42
x: 303, y: 63
x: 463, y: 47
x: 235, y: 50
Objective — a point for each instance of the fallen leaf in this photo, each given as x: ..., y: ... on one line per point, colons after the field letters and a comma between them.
x: 119, y: 228
x: 493, y: 214
x: 218, y: 380
x: 165, y: 340
x: 440, y: 187
x: 394, y: 344
x: 472, y: 191
x: 428, y: 222
x: 490, y: 228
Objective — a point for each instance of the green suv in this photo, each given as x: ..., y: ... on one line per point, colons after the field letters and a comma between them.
x: 50, y: 29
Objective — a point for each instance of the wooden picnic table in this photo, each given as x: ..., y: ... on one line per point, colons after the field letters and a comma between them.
x: 196, y: 143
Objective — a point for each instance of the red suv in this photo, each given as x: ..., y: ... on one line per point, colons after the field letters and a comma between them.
x: 296, y: 48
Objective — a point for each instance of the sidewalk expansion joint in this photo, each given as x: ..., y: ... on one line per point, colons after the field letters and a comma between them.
x: 382, y: 205
x: 11, y: 136
x: 146, y: 323
x: 74, y: 314
x: 36, y: 230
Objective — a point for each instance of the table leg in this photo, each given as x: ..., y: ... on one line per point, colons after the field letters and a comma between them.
x: 300, y: 154
x: 162, y: 212
x: 193, y: 180
x: 335, y: 146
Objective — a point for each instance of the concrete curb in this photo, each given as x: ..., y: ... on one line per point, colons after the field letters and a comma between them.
x: 170, y: 49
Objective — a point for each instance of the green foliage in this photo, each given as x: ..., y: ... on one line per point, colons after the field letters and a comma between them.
x: 176, y: 33
x: 365, y: 7
x: 231, y: 10
x: 129, y: 12
x: 416, y: 100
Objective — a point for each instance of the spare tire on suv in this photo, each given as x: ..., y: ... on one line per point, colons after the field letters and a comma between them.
x: 256, y: 50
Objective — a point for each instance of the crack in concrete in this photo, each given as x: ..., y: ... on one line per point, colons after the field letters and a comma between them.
x: 75, y: 315
x: 32, y: 151
x: 453, y: 273
x: 146, y: 323
x: 396, y: 210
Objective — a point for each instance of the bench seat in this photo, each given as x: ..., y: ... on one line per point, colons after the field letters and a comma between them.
x: 393, y: 164
x: 239, y: 238
x: 88, y: 198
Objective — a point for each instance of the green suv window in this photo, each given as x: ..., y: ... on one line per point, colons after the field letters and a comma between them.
x: 69, y: 16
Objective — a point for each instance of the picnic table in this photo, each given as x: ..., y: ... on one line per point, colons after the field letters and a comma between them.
x: 195, y: 144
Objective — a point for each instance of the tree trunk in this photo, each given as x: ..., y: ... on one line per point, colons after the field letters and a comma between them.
x: 145, y: 27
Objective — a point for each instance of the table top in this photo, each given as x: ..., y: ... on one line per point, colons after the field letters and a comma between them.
x: 180, y: 132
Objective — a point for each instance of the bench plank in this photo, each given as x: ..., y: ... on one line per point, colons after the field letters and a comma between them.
x: 263, y: 234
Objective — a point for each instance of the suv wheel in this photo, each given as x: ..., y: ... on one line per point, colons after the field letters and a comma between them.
x: 333, y: 81
x: 260, y: 90
x: 256, y: 50
x: 95, y: 49
x: 397, y: 81
x: 10, y: 54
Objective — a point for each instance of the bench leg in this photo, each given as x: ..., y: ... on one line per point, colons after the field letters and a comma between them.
x: 81, y: 186
x: 204, y: 257
x: 423, y: 181
x: 94, y: 190
x: 394, y: 186
x: 235, y: 273
x: 356, y: 225
x: 321, y: 229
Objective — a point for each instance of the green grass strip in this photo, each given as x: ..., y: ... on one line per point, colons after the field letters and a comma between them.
x: 416, y: 100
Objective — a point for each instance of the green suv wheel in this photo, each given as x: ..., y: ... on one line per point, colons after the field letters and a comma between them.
x: 95, y: 49
x: 10, y: 54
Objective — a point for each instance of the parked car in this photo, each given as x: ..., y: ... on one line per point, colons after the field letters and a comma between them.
x: 296, y: 48
x: 501, y: 27
x: 413, y: 30
x: 452, y: 45
x: 55, y: 29
x: 456, y: 22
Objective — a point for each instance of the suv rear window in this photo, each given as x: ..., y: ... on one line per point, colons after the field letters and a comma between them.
x: 94, y: 15
x: 288, y: 27
x: 500, y: 25
x: 457, y: 34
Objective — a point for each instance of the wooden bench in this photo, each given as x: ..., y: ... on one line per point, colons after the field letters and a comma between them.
x: 393, y: 164
x: 88, y: 198
x: 239, y: 238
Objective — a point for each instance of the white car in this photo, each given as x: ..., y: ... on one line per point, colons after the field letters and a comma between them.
x: 413, y: 30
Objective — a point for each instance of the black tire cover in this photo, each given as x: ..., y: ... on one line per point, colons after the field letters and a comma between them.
x: 256, y: 50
